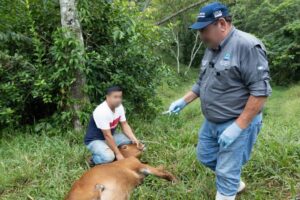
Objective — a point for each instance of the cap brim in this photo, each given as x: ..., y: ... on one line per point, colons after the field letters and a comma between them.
x: 200, y: 25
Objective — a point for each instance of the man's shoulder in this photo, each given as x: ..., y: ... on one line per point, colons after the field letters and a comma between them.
x: 101, y: 110
x: 246, y: 40
x: 102, y: 106
x: 120, y: 108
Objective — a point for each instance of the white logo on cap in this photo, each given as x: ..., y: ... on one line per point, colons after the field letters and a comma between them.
x: 218, y: 13
x: 201, y: 15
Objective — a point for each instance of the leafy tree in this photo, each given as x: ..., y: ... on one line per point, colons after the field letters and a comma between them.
x: 277, y: 24
x: 38, y: 63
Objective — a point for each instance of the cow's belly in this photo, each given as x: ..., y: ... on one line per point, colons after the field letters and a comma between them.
x: 114, y: 191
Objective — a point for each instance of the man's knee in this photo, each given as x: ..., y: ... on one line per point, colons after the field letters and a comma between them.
x: 101, y: 152
x: 105, y: 157
x: 108, y: 156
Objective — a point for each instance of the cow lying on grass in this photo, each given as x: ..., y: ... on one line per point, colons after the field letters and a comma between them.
x: 115, y: 181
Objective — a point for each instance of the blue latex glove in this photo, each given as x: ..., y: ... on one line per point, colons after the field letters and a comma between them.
x: 177, y: 106
x: 229, y: 135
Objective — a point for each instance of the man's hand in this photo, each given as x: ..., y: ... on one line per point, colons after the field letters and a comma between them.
x: 139, y: 145
x: 229, y: 135
x: 128, y: 132
x: 253, y: 106
x: 177, y: 106
x: 119, y: 156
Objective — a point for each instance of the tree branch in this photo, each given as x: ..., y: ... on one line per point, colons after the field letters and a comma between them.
x: 179, y: 12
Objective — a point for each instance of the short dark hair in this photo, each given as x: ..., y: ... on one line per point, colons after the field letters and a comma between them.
x: 114, y: 88
x: 228, y: 19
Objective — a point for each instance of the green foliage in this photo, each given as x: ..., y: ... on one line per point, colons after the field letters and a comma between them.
x: 279, y: 27
x: 164, y: 8
x: 38, y: 63
x: 16, y: 80
x: 122, y: 46
x: 121, y: 51
x: 275, y: 22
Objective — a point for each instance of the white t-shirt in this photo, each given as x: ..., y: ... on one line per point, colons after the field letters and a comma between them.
x: 106, y: 119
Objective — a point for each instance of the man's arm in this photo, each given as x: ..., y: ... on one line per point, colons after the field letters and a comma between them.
x: 253, y: 106
x: 179, y: 104
x: 255, y: 75
x: 190, y: 96
x: 111, y: 143
x: 128, y: 131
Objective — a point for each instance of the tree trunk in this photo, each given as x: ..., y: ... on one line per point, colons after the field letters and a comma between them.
x: 194, y: 51
x: 177, y: 53
x: 70, y: 21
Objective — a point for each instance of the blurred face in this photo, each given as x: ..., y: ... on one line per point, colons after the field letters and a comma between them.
x: 213, y: 34
x: 114, y: 99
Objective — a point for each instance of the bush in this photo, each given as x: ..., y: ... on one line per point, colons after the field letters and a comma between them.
x: 37, y: 63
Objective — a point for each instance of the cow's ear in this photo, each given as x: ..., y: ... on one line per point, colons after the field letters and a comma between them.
x: 124, y: 147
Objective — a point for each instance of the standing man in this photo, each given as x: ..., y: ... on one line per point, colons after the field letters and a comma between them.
x: 100, y: 137
x: 233, y: 86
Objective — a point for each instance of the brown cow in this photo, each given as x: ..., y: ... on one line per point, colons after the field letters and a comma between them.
x: 115, y: 181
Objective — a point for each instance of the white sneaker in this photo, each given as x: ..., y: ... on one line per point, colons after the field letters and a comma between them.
x: 241, y: 187
x: 219, y: 196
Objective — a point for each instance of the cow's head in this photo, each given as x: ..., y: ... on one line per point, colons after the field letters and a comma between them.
x: 128, y: 150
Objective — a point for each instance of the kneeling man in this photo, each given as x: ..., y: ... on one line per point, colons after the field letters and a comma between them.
x: 101, y: 138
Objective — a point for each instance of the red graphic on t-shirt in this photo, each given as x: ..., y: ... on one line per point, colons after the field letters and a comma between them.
x: 114, y: 123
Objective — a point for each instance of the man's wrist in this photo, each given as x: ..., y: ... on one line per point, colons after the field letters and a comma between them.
x: 237, y: 127
x: 134, y: 140
x: 241, y: 123
x: 117, y: 152
x: 185, y: 101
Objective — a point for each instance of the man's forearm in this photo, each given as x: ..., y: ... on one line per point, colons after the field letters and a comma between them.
x: 253, y: 106
x: 190, y: 96
x: 128, y: 131
x: 111, y: 143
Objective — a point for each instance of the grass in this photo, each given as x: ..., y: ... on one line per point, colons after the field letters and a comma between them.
x: 44, y: 164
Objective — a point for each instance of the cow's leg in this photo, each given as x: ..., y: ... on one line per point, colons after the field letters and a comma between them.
x: 159, y: 172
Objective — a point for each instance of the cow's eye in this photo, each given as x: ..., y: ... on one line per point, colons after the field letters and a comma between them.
x: 124, y: 147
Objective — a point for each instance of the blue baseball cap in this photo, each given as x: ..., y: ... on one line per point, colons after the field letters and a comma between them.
x: 209, y: 14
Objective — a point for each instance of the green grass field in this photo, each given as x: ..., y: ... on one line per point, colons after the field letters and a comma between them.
x: 43, y: 164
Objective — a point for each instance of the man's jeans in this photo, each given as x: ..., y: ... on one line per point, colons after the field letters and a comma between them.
x: 101, y: 151
x: 227, y: 163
